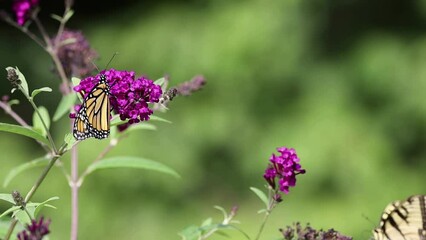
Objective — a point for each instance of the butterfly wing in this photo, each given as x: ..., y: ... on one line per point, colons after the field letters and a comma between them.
x: 93, y: 118
x: 403, y: 220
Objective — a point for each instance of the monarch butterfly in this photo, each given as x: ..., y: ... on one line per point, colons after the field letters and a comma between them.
x: 93, y: 117
x: 403, y: 220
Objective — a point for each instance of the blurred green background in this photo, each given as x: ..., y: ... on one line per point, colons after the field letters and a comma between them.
x: 342, y: 82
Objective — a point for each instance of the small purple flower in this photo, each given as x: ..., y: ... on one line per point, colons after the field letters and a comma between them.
x: 296, y: 232
x: 193, y: 85
x: 129, y: 97
x: 285, y: 167
x: 35, y: 230
x: 76, y: 56
x: 22, y: 9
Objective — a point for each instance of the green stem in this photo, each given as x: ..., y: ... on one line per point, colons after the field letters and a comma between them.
x: 10, y: 231
x: 41, y: 178
x: 265, y: 219
x: 32, y: 192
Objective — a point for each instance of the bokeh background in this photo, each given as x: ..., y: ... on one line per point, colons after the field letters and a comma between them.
x: 342, y: 82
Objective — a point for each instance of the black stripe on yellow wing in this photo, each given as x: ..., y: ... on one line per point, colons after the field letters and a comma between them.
x: 404, y: 220
x: 93, y: 118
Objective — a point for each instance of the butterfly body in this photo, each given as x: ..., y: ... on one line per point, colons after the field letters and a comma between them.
x: 93, y: 117
x: 405, y: 220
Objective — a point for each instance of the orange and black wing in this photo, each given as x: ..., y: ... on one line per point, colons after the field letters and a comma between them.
x: 93, y: 118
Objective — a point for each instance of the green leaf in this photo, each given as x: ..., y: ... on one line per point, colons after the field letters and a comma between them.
x: 22, y: 215
x: 131, y: 162
x: 156, y: 118
x: 39, y: 206
x: 21, y: 77
x: 207, y: 222
x: 64, y: 106
x: 37, y: 123
x: 140, y: 126
x: 6, y: 127
x: 39, y: 162
x: 116, y: 121
x: 160, y: 81
x: 56, y: 17
x: 225, y: 214
x: 68, y: 15
x: 13, y: 102
x: 75, y: 81
x: 190, y: 233
x: 262, y: 196
x: 69, y: 140
x: 37, y: 91
x: 7, y: 197
x: 10, y: 210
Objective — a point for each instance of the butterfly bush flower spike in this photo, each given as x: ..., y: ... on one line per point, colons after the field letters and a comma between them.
x: 129, y: 96
x: 35, y: 231
x: 75, y: 54
x: 296, y: 232
x: 284, y: 168
x: 22, y: 9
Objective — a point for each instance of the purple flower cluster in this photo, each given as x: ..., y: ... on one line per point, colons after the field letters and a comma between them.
x: 77, y: 56
x: 22, y: 9
x: 308, y: 233
x: 129, y: 97
x: 35, y: 230
x: 285, y: 167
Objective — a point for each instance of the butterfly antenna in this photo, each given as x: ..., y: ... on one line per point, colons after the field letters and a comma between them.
x: 368, y: 219
x: 115, y: 54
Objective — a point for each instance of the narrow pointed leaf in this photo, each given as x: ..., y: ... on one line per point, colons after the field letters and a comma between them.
x: 225, y: 214
x: 207, y: 222
x: 39, y: 162
x: 140, y: 126
x: 22, y: 215
x: 261, y: 195
x: 56, y: 17
x: 160, y: 81
x: 39, y: 206
x: 69, y: 140
x: 37, y: 122
x: 5, y: 127
x: 156, y: 118
x: 13, y: 102
x: 10, y: 210
x: 64, y: 106
x: 7, y: 197
x: 131, y: 162
x: 68, y: 15
x: 39, y: 90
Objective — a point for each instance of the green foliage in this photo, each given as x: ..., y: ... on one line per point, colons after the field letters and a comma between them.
x: 38, y: 125
x: 64, y: 106
x: 131, y: 162
x: 11, y: 128
x: 37, y: 91
x: 261, y: 195
x: 39, y: 162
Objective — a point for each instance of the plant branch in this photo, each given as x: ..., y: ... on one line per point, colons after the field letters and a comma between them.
x: 52, y: 50
x: 111, y: 145
x: 10, y: 231
x: 31, y: 193
x: 8, y: 110
x: 74, y: 193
